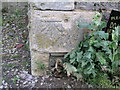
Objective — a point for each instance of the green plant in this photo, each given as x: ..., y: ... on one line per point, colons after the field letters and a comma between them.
x: 0, y: 20
x: 96, y: 57
x: 9, y: 65
x: 15, y: 79
x: 15, y: 56
x: 25, y: 63
x: 17, y: 12
x: 40, y: 65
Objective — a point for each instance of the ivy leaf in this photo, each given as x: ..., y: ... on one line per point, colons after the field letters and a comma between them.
x: 67, y: 55
x: 92, y: 26
x: 115, y: 34
x: 72, y: 60
x: 101, y: 34
x: 115, y: 64
x: 114, y: 45
x: 107, y: 50
x: 85, y: 44
x: 91, y: 49
x: 100, y: 58
x: 79, y: 56
x: 102, y: 25
x: 73, y: 54
x: 84, y: 62
x: 69, y: 68
x: 102, y: 44
x: 87, y: 55
x: 90, y: 70
x: 78, y: 75
x: 96, y: 51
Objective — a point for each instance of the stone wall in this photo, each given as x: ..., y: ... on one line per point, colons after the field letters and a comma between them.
x: 54, y: 31
x: 53, y: 28
x: 97, y: 5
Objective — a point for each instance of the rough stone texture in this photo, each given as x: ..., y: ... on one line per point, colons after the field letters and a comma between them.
x: 37, y: 59
x: 57, y: 31
x: 58, y: 54
x: 54, y: 5
x: 97, y: 5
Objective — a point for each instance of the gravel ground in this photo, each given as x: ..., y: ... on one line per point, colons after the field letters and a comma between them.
x: 16, y: 56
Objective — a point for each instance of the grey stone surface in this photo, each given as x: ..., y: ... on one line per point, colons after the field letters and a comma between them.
x: 54, y: 5
x: 37, y: 60
x: 58, y: 54
x: 97, y: 5
x: 57, y: 31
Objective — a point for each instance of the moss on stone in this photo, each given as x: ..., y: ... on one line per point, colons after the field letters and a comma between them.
x: 43, y: 41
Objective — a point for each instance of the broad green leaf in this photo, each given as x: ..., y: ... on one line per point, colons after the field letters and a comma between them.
x: 79, y: 56
x: 90, y: 70
x: 67, y: 55
x: 115, y: 64
x: 107, y: 50
x: 85, y: 44
x: 91, y: 40
x: 72, y: 60
x: 73, y: 54
x: 0, y: 20
x: 87, y: 55
x: 102, y: 25
x: 91, y: 49
x: 69, y: 68
x: 97, y: 15
x: 117, y: 56
x: 115, y: 34
x: 117, y: 30
x: 105, y: 43
x: 114, y: 45
x: 84, y: 62
x: 101, y: 34
x: 111, y: 57
x: 97, y: 22
x: 100, y: 58
x: 92, y: 26
x: 118, y: 49
x: 78, y: 75
x: 102, y: 44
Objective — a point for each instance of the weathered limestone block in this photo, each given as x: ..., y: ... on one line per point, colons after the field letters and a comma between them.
x: 97, y: 5
x: 39, y: 63
x: 54, y: 5
x: 57, y: 31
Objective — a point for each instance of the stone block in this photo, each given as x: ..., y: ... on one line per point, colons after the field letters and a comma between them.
x: 39, y: 63
x: 54, y: 5
x: 57, y: 31
x: 97, y: 5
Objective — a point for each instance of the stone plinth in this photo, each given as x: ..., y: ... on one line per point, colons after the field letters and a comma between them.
x: 57, y: 31
x: 39, y: 63
x: 54, y: 32
x: 54, y: 5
